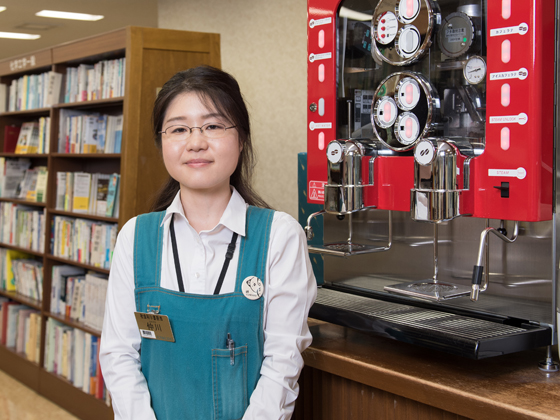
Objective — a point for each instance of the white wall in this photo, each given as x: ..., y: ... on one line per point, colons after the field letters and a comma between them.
x: 264, y: 46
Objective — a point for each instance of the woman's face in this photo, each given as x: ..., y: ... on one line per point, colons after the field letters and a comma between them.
x: 198, y: 163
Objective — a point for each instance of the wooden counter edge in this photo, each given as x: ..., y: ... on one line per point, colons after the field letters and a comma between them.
x: 484, y: 407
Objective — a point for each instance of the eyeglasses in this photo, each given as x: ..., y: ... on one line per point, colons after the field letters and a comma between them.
x: 183, y: 132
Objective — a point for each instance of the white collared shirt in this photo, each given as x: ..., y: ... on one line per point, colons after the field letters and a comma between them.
x: 290, y: 290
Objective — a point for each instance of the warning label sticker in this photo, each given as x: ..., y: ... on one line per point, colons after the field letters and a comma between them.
x: 317, y: 191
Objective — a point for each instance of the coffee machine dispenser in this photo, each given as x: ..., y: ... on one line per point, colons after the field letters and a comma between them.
x: 431, y: 125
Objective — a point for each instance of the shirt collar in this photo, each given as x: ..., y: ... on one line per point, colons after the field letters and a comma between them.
x: 233, y: 218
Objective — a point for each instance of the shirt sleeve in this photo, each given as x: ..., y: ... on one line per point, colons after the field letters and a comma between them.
x: 290, y: 291
x: 120, y: 340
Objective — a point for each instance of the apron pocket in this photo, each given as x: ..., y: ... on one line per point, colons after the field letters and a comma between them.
x: 229, y: 383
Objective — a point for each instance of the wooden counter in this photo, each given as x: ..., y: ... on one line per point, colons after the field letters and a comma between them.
x: 351, y: 375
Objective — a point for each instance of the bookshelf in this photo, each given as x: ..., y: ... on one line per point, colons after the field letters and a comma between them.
x: 152, y: 56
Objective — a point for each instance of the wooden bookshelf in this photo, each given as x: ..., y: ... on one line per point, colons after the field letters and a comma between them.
x: 152, y: 57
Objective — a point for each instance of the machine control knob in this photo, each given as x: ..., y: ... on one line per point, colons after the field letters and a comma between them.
x: 408, y: 10
x: 335, y: 151
x: 407, y: 128
x: 407, y: 42
x: 385, y: 112
x: 425, y: 152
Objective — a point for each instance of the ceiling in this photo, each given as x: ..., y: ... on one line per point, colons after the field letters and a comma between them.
x: 19, y: 16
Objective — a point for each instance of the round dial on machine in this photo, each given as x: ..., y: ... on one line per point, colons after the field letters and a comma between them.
x: 402, y: 30
x: 456, y: 34
x: 475, y: 70
x: 385, y: 112
x: 405, y: 106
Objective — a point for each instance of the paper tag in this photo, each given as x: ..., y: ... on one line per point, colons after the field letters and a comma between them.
x: 252, y: 288
x: 154, y: 326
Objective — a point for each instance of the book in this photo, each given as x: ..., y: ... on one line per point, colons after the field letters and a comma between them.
x: 41, y: 186
x: 54, y: 85
x: 11, y: 324
x: 112, y: 194
x: 102, y: 193
x: 11, y: 135
x: 80, y: 201
x: 58, y: 272
x: 118, y: 134
x: 13, y: 174
x: 28, y: 139
x: 3, y: 97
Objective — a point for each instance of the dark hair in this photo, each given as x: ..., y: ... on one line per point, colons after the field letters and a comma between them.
x: 221, y: 90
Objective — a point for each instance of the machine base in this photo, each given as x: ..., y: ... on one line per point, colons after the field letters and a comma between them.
x: 454, y: 333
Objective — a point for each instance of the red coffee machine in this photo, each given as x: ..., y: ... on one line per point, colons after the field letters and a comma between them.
x: 431, y: 125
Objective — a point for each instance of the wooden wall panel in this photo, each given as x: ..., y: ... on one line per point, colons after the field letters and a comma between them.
x: 324, y: 396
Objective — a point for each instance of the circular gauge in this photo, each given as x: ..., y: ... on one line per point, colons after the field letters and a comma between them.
x: 385, y: 112
x: 408, y: 10
x: 407, y: 93
x: 407, y: 128
x: 424, y: 152
x: 407, y: 42
x: 385, y: 28
x: 456, y: 34
x: 475, y: 70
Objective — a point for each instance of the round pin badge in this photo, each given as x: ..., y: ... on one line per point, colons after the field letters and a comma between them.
x: 252, y: 288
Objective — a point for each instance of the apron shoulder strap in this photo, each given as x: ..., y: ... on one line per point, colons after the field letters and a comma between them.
x: 148, y: 243
x: 253, y: 250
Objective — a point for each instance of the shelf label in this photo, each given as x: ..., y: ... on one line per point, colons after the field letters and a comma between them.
x: 23, y: 63
x: 313, y: 125
x: 519, y: 173
x: 520, y: 119
x: 319, y: 22
x: 521, y: 29
x: 323, y: 56
x: 520, y: 74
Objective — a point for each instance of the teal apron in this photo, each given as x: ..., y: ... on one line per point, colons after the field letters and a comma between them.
x: 194, y: 378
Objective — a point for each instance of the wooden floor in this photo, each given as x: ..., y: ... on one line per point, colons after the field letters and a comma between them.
x: 17, y: 402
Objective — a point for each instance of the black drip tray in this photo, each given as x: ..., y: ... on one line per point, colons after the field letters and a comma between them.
x: 453, y: 333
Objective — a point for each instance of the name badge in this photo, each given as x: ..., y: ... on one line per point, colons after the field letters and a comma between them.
x: 154, y: 326
x: 252, y: 288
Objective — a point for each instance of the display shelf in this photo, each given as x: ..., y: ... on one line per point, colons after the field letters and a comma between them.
x: 23, y: 202
x: 87, y: 155
x: 25, y: 300
x: 18, y: 248
x: 27, y: 112
x: 25, y: 155
x: 17, y: 365
x: 92, y: 103
x: 74, y: 324
x: 152, y: 57
x: 64, y: 393
x: 84, y: 216
x: 77, y: 264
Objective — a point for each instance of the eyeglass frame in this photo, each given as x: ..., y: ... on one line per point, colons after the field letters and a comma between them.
x: 200, y: 129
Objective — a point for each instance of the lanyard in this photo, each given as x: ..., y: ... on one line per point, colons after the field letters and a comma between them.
x: 229, y: 256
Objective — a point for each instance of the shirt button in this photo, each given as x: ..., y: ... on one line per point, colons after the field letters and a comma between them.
x: 196, y: 275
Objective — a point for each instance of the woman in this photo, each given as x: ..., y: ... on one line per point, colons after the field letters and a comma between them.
x: 232, y: 277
